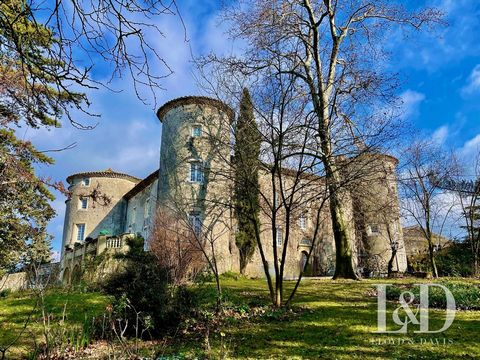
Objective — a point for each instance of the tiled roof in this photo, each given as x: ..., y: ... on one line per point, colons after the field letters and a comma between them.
x: 142, y: 185
x: 105, y: 173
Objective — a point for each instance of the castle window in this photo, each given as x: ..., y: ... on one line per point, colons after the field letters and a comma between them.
x: 306, y: 242
x: 85, y: 182
x: 279, y: 237
x: 302, y: 222
x: 195, y: 222
x: 196, y: 172
x: 374, y: 229
x: 147, y: 208
x: 133, y: 218
x: 83, y: 203
x: 80, y: 232
x: 277, y: 199
x: 196, y: 130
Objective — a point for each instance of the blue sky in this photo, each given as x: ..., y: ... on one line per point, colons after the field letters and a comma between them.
x: 440, y: 89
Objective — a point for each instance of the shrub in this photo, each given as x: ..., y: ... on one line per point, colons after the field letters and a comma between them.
x: 455, y: 260
x: 467, y: 296
x: 142, y: 293
x: 232, y: 275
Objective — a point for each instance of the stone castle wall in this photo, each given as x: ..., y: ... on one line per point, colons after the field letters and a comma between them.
x: 208, y: 149
x: 99, y: 216
x: 140, y: 210
x: 134, y: 202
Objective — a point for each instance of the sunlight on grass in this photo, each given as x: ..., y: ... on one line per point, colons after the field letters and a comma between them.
x: 20, y: 315
x: 329, y: 320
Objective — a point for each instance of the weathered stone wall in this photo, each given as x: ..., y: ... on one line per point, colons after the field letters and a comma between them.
x: 14, y: 282
x: 77, y: 260
x: 98, y: 217
x: 141, y: 211
x: 377, y: 213
x: 371, y: 202
x: 208, y: 199
x: 300, y: 240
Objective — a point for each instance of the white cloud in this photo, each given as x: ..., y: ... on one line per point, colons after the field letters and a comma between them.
x: 468, y: 155
x: 473, y: 82
x: 438, y: 46
x: 440, y: 135
x: 471, y: 148
x: 411, y: 101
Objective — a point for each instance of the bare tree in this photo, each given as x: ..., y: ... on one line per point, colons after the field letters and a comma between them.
x: 174, y: 246
x: 467, y: 192
x: 293, y: 182
x: 290, y: 187
x: 424, y: 198
x: 117, y: 34
x: 334, y: 52
x: 205, y: 234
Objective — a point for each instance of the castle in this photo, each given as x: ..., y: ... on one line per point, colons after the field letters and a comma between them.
x: 189, y: 178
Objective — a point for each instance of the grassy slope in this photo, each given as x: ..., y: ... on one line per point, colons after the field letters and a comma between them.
x: 338, y: 323
x: 19, y: 308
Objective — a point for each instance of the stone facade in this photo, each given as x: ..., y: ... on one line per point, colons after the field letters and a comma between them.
x: 417, y: 245
x: 193, y: 180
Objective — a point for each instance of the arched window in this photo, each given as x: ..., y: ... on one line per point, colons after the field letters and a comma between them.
x: 66, y: 276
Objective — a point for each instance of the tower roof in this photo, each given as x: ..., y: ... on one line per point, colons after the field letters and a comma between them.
x: 109, y: 173
x: 199, y: 100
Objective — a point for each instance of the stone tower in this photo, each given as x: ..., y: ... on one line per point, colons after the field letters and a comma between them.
x: 194, y: 172
x: 377, y: 213
x: 86, y: 216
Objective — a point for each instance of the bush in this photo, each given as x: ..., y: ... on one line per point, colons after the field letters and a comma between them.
x: 467, y: 296
x: 204, y: 276
x: 230, y: 275
x: 455, y: 260
x: 142, y: 293
x: 4, y: 293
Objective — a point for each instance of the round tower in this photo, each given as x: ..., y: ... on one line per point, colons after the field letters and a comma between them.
x: 96, y: 205
x: 194, y: 172
x: 377, y: 214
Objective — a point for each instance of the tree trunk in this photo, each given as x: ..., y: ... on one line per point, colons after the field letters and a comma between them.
x: 343, y: 244
x: 344, y: 257
x: 390, y: 262
x: 219, y: 292
x: 278, y: 293
x: 433, y: 264
x: 476, y: 266
x: 243, y: 261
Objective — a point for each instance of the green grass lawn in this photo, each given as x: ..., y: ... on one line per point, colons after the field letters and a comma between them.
x: 19, y: 309
x: 336, y: 320
x: 329, y: 320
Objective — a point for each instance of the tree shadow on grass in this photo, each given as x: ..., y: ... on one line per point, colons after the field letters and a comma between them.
x: 339, y: 322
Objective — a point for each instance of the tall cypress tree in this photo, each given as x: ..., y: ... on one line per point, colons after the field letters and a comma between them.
x: 246, y: 196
